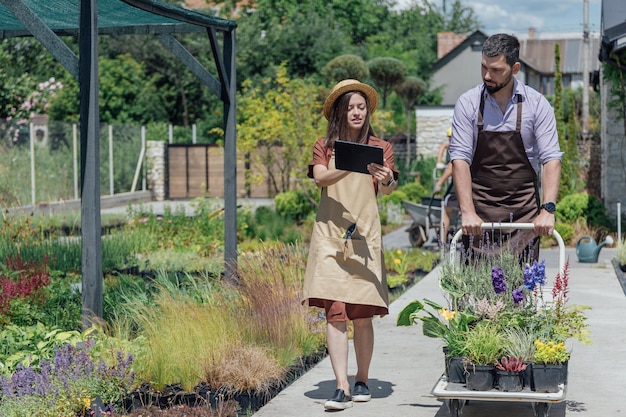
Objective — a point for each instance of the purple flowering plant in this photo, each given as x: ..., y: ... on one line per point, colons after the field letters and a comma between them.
x: 67, y: 384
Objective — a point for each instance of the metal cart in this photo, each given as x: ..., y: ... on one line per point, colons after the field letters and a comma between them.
x: 456, y: 395
x: 426, y: 218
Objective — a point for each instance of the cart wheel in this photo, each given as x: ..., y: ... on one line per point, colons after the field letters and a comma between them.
x: 541, y: 409
x: 454, y: 408
x: 415, y: 236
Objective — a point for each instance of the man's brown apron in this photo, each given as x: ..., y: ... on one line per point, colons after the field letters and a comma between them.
x: 504, y: 188
x: 351, y: 269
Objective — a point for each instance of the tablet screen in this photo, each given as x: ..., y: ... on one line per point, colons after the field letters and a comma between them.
x: 352, y: 156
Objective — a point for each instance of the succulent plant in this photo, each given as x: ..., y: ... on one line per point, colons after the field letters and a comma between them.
x: 511, y: 364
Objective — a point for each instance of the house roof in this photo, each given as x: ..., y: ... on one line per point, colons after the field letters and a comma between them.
x: 539, y: 54
x: 473, y: 40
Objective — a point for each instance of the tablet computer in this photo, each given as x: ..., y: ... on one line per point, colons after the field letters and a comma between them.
x: 352, y: 156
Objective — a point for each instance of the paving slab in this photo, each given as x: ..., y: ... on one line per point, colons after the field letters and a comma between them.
x: 406, y: 365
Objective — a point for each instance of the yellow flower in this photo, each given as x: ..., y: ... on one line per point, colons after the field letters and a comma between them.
x: 398, y: 252
x: 447, y: 314
x: 397, y: 261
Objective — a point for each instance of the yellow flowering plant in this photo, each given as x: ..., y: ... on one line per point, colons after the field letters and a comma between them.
x: 550, y: 353
x: 448, y: 325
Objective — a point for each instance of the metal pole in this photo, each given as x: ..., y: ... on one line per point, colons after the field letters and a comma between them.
x: 586, y: 45
x: 75, y: 157
x: 619, y: 221
x: 143, y: 152
x: 33, y: 190
x: 170, y: 133
x: 111, y: 186
x: 193, y: 134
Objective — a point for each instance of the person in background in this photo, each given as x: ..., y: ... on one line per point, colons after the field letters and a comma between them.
x: 503, y: 133
x: 450, y: 201
x: 443, y: 156
x: 345, y: 273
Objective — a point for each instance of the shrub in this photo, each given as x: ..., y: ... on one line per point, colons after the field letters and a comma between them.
x: 293, y: 204
x: 414, y: 191
x: 582, y: 206
x: 566, y: 231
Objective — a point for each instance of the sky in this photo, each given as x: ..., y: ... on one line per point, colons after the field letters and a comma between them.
x: 517, y: 16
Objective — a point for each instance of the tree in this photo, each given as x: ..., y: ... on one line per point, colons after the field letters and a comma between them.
x: 565, y: 185
x: 343, y: 67
x: 386, y: 72
x: 126, y: 95
x: 409, y: 90
x: 279, y: 121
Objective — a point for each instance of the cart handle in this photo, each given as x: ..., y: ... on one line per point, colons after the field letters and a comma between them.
x: 519, y: 226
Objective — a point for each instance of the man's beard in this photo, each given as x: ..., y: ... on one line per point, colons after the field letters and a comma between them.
x: 498, y: 87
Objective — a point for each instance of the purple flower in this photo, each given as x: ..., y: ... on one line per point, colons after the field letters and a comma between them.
x: 497, y: 280
x: 518, y: 295
x: 534, y: 275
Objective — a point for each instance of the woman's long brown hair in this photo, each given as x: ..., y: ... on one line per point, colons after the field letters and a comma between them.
x: 338, y: 125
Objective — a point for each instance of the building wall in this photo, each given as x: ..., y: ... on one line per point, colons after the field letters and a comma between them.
x: 432, y: 124
x: 613, y: 177
x: 458, y: 76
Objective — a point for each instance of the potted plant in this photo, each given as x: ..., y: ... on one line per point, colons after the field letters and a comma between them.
x: 509, y: 373
x: 483, y: 346
x: 448, y: 325
x: 548, y: 364
x: 520, y: 344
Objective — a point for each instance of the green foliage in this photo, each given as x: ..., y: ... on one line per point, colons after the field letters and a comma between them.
x: 29, y: 345
x: 584, y: 207
x: 343, y: 67
x: 566, y: 231
x: 449, y: 326
x: 409, y: 260
x: 126, y: 94
x: 266, y: 225
x: 413, y: 191
x: 386, y: 72
x: 421, y: 168
x: 484, y: 343
x: 293, y: 205
x: 614, y: 75
x: 280, y: 121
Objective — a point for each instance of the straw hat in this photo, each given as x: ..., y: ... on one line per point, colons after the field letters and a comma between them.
x: 350, y: 85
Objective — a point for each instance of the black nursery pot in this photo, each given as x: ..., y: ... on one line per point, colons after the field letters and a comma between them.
x: 455, y: 371
x: 480, y: 377
x: 509, y: 381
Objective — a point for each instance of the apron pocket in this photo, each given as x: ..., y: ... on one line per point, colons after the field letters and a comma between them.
x: 345, y: 258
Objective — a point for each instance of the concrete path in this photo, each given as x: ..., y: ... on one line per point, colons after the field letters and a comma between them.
x: 406, y: 364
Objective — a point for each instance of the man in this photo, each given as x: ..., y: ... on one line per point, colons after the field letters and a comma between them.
x: 502, y: 133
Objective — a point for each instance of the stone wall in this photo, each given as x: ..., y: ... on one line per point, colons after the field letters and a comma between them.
x: 432, y: 124
x: 155, y: 161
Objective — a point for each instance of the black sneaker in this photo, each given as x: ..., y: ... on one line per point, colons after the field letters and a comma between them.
x: 339, y: 401
x: 361, y: 393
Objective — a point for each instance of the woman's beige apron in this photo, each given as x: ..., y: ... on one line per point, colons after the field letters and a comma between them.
x: 350, y: 270
x: 504, y: 188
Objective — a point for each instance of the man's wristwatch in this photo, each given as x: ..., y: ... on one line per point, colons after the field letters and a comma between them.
x: 550, y: 207
x: 390, y: 182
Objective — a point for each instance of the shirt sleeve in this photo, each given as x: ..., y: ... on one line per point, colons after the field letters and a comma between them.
x: 321, y: 156
x: 389, y: 158
x: 545, y: 132
x: 463, y: 121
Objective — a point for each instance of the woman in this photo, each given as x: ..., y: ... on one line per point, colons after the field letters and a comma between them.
x: 345, y: 273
